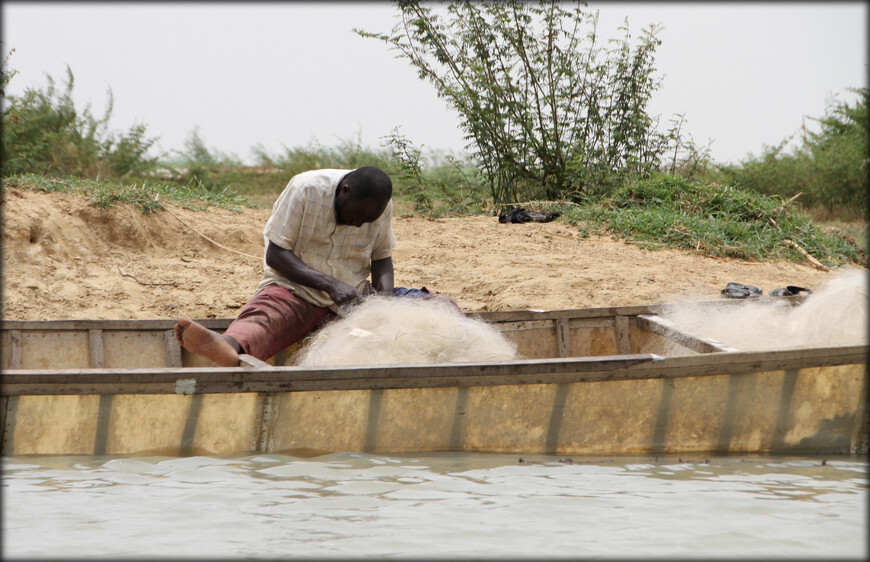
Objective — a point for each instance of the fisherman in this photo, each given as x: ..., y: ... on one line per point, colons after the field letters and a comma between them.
x: 329, y: 230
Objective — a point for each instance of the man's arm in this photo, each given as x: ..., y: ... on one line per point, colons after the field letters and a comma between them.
x: 382, y: 276
x: 290, y: 266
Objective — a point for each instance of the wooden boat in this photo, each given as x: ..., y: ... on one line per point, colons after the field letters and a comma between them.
x: 619, y: 380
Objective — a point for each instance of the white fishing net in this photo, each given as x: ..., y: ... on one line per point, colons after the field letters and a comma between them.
x: 833, y: 315
x: 385, y: 330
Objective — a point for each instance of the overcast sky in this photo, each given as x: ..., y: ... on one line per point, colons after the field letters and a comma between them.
x: 744, y: 74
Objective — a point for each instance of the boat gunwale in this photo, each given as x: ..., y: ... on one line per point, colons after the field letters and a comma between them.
x: 214, y: 380
x: 494, y: 317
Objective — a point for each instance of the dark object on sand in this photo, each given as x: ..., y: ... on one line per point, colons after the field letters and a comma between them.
x: 740, y: 291
x: 518, y: 214
x: 789, y: 291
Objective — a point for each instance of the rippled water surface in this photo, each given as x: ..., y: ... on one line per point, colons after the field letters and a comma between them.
x: 441, y: 505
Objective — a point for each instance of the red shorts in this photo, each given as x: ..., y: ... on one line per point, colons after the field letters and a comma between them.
x: 274, y: 319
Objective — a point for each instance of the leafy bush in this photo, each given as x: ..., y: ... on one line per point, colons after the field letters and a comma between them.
x: 829, y: 169
x: 450, y: 187
x: 548, y: 113
x: 44, y: 132
x: 200, y: 167
x: 348, y: 154
x: 6, y: 74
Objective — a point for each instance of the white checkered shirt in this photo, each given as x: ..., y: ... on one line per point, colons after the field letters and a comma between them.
x: 303, y: 221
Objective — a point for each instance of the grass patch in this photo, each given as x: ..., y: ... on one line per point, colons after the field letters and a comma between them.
x: 105, y: 194
x: 259, y: 188
x: 850, y: 222
x: 668, y: 211
x: 855, y: 232
x: 665, y: 211
x: 439, y: 191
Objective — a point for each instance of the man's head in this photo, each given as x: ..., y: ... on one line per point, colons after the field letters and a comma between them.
x: 362, y: 195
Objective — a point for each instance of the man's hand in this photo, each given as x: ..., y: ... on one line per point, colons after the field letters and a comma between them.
x: 367, y: 289
x: 343, y: 294
x: 290, y: 266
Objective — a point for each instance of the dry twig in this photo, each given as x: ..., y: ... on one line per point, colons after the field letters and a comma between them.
x: 172, y: 284
x: 806, y: 254
x: 784, y: 203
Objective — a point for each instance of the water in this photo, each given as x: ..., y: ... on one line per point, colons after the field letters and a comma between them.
x: 434, y: 506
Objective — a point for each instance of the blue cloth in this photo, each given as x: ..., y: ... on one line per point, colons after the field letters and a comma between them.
x: 413, y: 293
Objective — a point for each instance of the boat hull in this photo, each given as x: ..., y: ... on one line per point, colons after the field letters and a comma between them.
x: 113, y: 398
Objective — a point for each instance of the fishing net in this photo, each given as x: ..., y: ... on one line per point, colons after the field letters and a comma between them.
x: 385, y: 330
x: 833, y: 315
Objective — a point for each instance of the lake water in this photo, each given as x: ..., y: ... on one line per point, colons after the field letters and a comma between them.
x: 448, y: 505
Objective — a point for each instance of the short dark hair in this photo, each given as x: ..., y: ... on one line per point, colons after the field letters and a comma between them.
x: 369, y: 182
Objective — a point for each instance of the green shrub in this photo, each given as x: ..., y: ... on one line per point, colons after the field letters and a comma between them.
x: 829, y: 169
x: 44, y: 132
x: 199, y: 167
x: 347, y: 154
x: 449, y: 187
x: 548, y: 112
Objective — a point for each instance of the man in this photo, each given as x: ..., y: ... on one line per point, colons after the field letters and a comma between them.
x: 328, y: 231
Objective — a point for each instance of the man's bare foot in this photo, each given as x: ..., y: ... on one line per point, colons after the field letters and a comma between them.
x: 197, y: 338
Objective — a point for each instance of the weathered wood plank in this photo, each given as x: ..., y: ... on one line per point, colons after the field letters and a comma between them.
x: 188, y: 434
x: 10, y: 417
x: 243, y: 373
x: 104, y: 415
x: 563, y: 337
x: 861, y: 434
x: 669, y: 330
x: 491, y: 316
x: 4, y: 405
x: 531, y: 315
x: 631, y: 310
x: 157, y: 325
x: 173, y: 349
x: 252, y: 361
x: 286, y: 379
x: 523, y: 325
x: 581, y: 323
x: 15, y: 352
x: 264, y: 424
x: 622, y: 329
x: 95, y: 346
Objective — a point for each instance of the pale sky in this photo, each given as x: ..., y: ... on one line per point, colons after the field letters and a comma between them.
x: 745, y: 74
